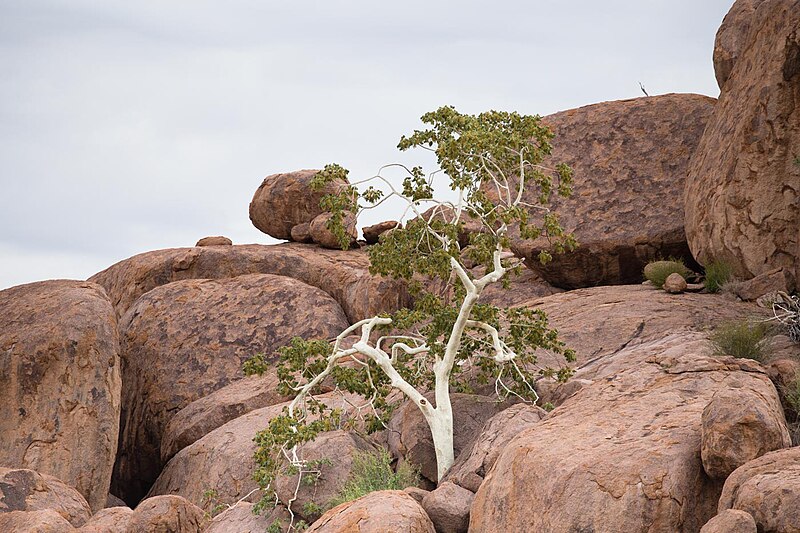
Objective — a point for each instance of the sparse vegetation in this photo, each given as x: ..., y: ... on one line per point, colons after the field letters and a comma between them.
x: 371, y: 472
x: 718, y: 273
x: 211, y: 504
x: 658, y: 271
x: 744, y: 338
x: 791, y: 395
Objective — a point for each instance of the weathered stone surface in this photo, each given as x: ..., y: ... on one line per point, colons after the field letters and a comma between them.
x: 302, y: 233
x: 769, y: 489
x: 674, y: 284
x: 320, y: 234
x: 410, y: 437
x: 187, y: 339
x: 522, y: 288
x: 477, y: 459
x: 784, y: 372
x: 113, y: 501
x: 44, y: 521
x: 738, y: 426
x: 777, y: 279
x: 60, y: 383
x: 377, y: 512
x: 285, y: 200
x: 109, y: 520
x: 417, y: 493
x: 732, y: 37
x: 730, y: 521
x: 26, y: 490
x: 206, y: 414
x: 743, y: 188
x: 448, y: 508
x: 167, y: 514
x: 240, y: 519
x: 337, y: 449
x: 630, y: 159
x: 626, y: 448
x: 217, y: 240
x: 374, y: 232
x: 343, y: 275
x: 223, y: 459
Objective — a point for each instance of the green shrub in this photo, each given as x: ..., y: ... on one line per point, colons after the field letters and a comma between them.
x: 371, y: 472
x: 718, y: 273
x: 743, y: 339
x: 658, y: 271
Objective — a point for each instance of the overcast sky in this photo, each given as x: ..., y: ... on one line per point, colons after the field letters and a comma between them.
x: 132, y: 126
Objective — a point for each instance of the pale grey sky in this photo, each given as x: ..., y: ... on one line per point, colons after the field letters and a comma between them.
x: 132, y: 126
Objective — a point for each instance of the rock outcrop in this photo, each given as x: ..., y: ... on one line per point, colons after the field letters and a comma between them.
x: 320, y: 234
x: 626, y: 447
x: 343, y: 275
x: 44, y: 521
x: 167, y: 514
x: 730, y: 521
x: 743, y: 186
x: 373, y: 233
x: 241, y: 519
x: 111, y: 520
x: 448, y: 507
x: 630, y: 159
x: 186, y: 339
x: 26, y: 490
x: 732, y: 38
x: 377, y: 512
x: 217, y: 240
x: 60, y: 383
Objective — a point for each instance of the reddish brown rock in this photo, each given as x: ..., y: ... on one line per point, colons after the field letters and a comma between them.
x: 184, y: 340
x: 26, y: 490
x: 302, y: 233
x: 784, y: 373
x: 410, y: 437
x: 377, y: 512
x: 623, y: 453
x: 630, y: 159
x: 738, y: 426
x: 523, y: 287
x: 343, y: 275
x: 113, y: 501
x: 167, y: 514
x: 774, y: 280
x: 335, y: 452
x: 241, y: 519
x: 417, y: 493
x: 320, y: 234
x: 674, y: 284
x: 743, y: 187
x: 374, y: 232
x: 60, y: 383
x: 109, y: 520
x: 730, y: 521
x: 44, y: 521
x: 768, y: 488
x: 448, y: 508
x: 206, y: 414
x: 732, y: 38
x: 214, y: 241
x: 285, y: 200
x: 475, y: 461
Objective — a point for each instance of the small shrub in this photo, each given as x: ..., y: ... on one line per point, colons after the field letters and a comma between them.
x: 371, y: 472
x: 718, y: 273
x: 743, y: 339
x: 658, y: 271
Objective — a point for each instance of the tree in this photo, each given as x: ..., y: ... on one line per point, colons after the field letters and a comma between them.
x: 494, y: 163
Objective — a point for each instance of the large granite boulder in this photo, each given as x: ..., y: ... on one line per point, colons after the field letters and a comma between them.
x: 377, y: 512
x: 186, y: 339
x: 109, y: 520
x: 732, y: 38
x: 26, y: 490
x: 60, y: 383
x: 448, y: 507
x: 162, y: 514
x: 768, y: 488
x: 630, y: 159
x: 241, y: 519
x: 286, y: 200
x: 343, y: 275
x: 743, y: 185
x: 623, y: 453
x: 44, y: 521
x: 731, y: 521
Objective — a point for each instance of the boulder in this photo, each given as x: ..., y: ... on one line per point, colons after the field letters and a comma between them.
x: 109, y: 520
x: 475, y: 461
x: 26, y: 490
x: 285, y: 200
x: 775, y: 280
x: 343, y: 275
x: 377, y: 512
x: 60, y: 383
x: 768, y: 488
x: 186, y: 339
x: 167, y: 514
x: 44, y: 521
x: 622, y: 454
x: 313, y: 494
x: 739, y: 425
x: 630, y: 159
x: 743, y: 187
x: 302, y: 233
x: 223, y: 459
x: 730, y: 521
x: 448, y: 508
x: 784, y: 373
x: 113, y: 501
x: 732, y: 38
x: 410, y: 437
x: 374, y: 232
x: 214, y: 241
x: 417, y: 493
x: 241, y: 519
x: 675, y: 284
x: 206, y: 414
x: 320, y: 234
